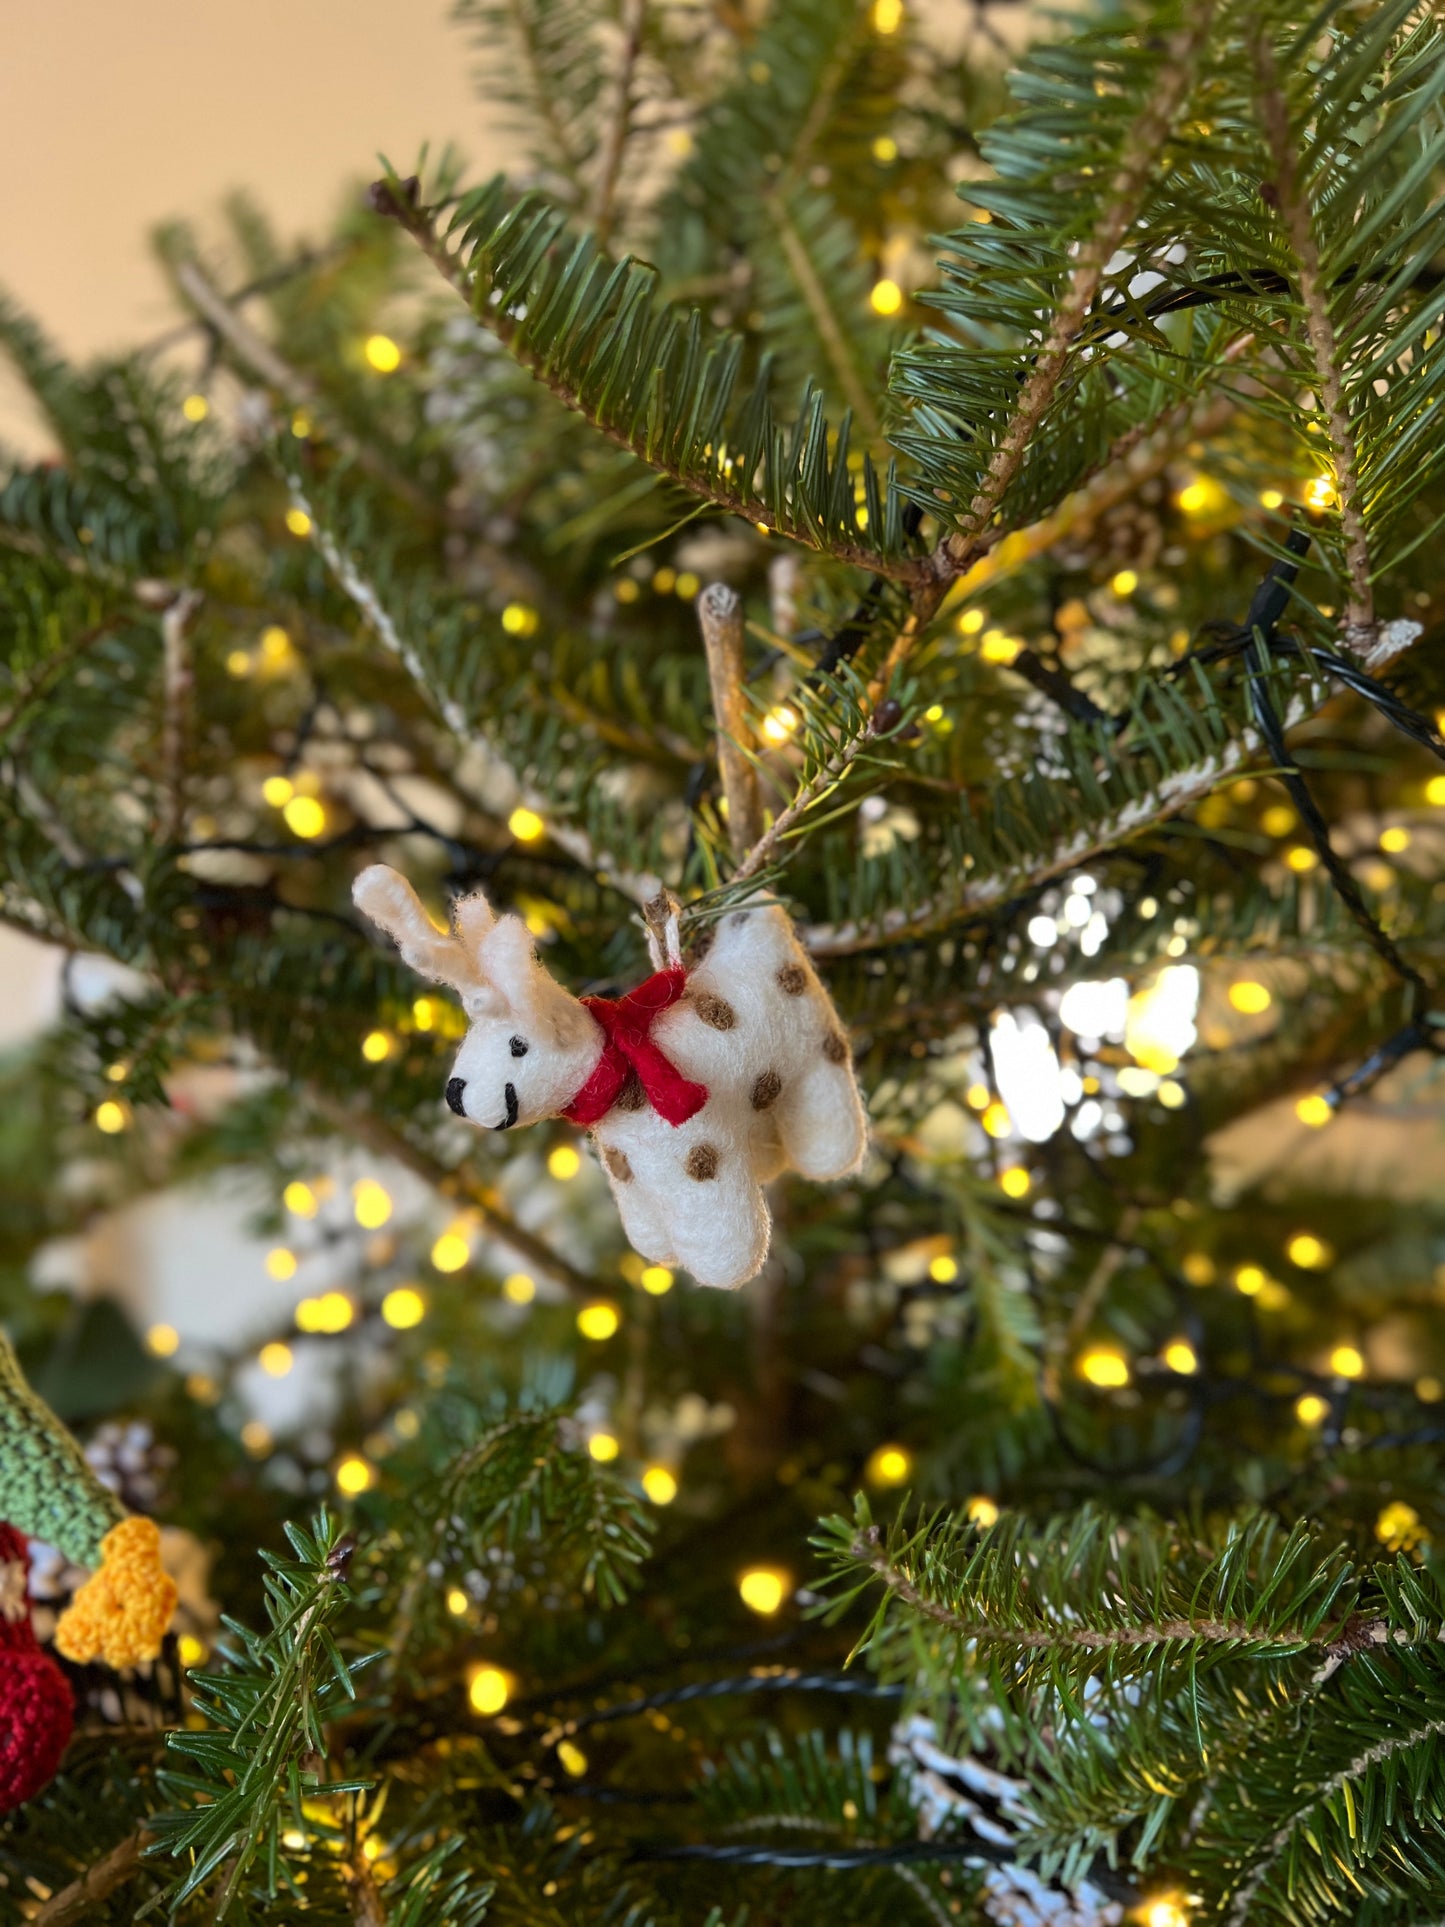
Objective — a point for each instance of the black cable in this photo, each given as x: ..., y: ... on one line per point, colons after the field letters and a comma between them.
x: 789, y: 1681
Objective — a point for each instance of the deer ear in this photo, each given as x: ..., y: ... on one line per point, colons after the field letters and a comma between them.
x: 507, y: 959
x: 385, y: 896
x: 473, y: 920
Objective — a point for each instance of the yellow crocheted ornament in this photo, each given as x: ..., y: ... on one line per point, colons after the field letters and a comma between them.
x: 122, y: 1611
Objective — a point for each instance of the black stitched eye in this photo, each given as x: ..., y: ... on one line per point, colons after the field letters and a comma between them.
x: 519, y: 1047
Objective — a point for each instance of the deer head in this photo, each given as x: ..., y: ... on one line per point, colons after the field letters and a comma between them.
x: 531, y: 1045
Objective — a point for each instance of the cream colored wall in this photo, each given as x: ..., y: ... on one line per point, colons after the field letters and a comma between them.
x: 115, y: 117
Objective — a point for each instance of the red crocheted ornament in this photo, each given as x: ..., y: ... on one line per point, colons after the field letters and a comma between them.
x: 37, y: 1711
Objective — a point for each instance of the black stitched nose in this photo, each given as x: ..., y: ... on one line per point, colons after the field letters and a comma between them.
x: 455, y: 1087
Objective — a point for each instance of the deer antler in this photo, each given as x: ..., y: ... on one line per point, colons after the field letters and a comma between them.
x: 385, y: 896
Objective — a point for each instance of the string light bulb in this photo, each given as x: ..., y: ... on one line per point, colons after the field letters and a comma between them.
x: 1347, y: 1361
x: 525, y: 825
x: 403, y: 1308
x: 779, y: 724
x: 1250, y: 999
x: 762, y: 1590
x: 1104, y: 1367
x: 488, y: 1689
x: 886, y: 297
x: 382, y: 354
x: 1314, y: 1110
x: 889, y: 1465
x: 354, y: 1475
x: 659, y: 1484
x: 598, y: 1322
x: 451, y: 1251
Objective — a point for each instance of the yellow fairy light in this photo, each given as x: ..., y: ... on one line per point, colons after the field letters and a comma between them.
x: 1393, y: 841
x: 564, y: 1162
x: 1124, y: 582
x: 1301, y: 859
x: 982, y: 1511
x: 655, y: 1280
x: 488, y: 1689
x: 275, y: 643
x: 275, y: 1359
x: 1249, y: 998
x: 995, y: 1120
x: 971, y: 621
x: 778, y: 725
x: 371, y: 1204
x: 163, y: 1341
x: 195, y: 408
x: 1311, y: 1409
x: 1320, y: 493
x: 1250, y: 1280
x: 1014, y: 1183
x: 1171, y: 1094
x: 299, y: 1199
x: 301, y: 424
x: 886, y: 297
x: 519, y: 1288
x: 1166, y: 1911
x: 382, y: 354
x: 887, y: 16
x: 603, y: 1447
x: 190, y: 1651
x: 256, y: 1438
x: 571, y: 1759
x: 457, y: 1602
x: 403, y: 1308
x: 518, y: 619
x: 664, y: 581
x: 1347, y: 1361
x: 933, y: 713
x: 1435, y: 790
x: 118, y: 1072
x: 238, y: 663
x: 451, y: 1251
x: 1314, y: 1110
x: 1278, y: 820
x: 889, y: 1465
x: 659, y: 1484
x: 280, y: 1264
x: 1429, y: 1389
x: 375, y: 1046
x: 1104, y: 1367
x: 1270, y: 498
x: 978, y: 1097
x: 111, y: 1117
x: 943, y: 1269
x: 599, y: 1321
x: 278, y: 791
x: 1200, y: 496
x: 1309, y: 1252
x: 762, y: 1590
x: 354, y: 1475
x: 626, y: 590
x: 1180, y: 1356
x: 331, y: 1312
x: 1399, y: 1526
x: 298, y: 521
x: 1000, y: 648
x: 885, y: 150
x: 304, y: 816
x: 525, y: 825
x: 1198, y: 1267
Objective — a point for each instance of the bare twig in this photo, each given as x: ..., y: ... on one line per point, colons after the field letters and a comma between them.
x: 604, y: 207
x: 720, y: 617
x: 178, y: 679
x: 1140, y: 152
x: 95, y: 1885
x: 368, y: 1908
x: 1295, y: 214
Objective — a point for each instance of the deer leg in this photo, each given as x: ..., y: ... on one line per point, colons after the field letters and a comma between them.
x: 717, y: 1215
x: 820, y: 1115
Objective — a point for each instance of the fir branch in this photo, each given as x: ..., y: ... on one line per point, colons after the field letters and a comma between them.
x: 593, y: 337
x: 1136, y: 162
x: 825, y: 320
x: 1295, y: 214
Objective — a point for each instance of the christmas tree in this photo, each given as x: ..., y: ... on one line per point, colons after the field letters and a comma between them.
x: 986, y: 505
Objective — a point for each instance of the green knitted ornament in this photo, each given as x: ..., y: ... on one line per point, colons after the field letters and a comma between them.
x: 47, y: 1491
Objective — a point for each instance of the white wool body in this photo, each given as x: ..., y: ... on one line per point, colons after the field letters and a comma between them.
x: 755, y: 1026
x: 758, y: 1029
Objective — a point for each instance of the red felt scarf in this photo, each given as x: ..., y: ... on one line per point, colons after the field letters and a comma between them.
x: 626, y: 1023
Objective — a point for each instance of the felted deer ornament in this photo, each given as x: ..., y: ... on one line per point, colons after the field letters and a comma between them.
x: 699, y: 1086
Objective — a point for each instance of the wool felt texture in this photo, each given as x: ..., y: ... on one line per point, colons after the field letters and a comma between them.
x: 753, y: 1028
x: 48, y: 1492
x: 627, y: 1023
x: 37, y: 1710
